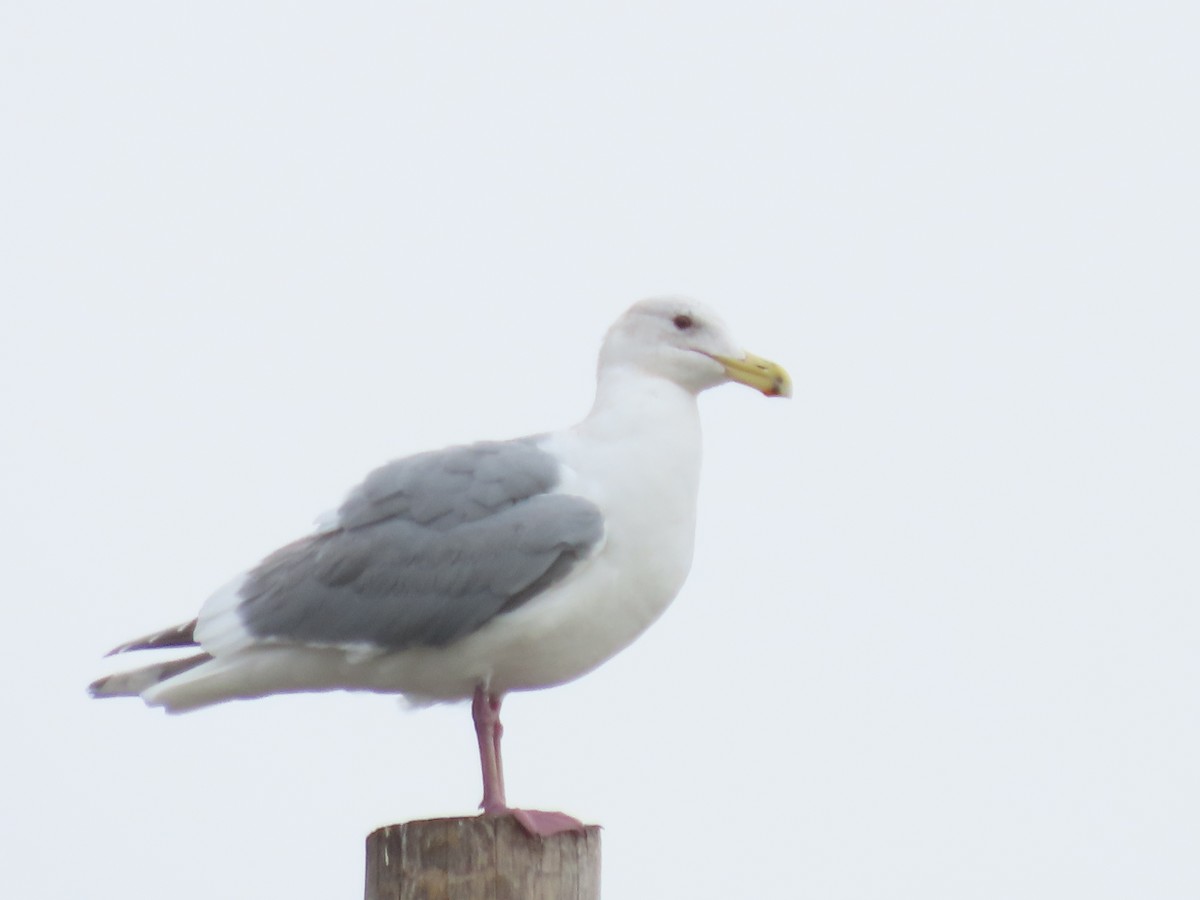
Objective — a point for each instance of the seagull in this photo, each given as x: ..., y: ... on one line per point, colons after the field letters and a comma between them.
x: 478, y: 570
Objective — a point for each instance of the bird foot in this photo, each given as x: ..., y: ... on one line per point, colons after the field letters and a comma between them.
x: 539, y: 822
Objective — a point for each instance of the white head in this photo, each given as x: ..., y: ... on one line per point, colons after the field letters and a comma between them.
x: 685, y: 342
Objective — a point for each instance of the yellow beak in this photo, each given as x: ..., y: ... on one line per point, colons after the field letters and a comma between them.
x: 758, y: 373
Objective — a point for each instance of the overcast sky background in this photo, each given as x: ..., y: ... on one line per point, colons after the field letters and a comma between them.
x: 941, y: 639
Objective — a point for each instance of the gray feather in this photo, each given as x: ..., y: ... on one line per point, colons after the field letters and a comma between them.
x: 445, y: 488
x: 427, y: 550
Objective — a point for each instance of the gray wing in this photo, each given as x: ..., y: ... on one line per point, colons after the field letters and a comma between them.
x: 425, y: 551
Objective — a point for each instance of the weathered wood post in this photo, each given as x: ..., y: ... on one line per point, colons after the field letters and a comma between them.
x: 481, y: 858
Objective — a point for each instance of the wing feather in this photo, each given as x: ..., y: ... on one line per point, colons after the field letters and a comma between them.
x: 426, y: 551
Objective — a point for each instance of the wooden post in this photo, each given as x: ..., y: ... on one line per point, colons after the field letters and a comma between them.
x: 481, y: 858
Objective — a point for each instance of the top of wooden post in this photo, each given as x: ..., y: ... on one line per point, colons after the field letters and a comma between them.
x: 481, y: 858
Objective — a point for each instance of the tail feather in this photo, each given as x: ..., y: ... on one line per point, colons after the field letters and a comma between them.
x: 131, y: 684
x: 176, y: 636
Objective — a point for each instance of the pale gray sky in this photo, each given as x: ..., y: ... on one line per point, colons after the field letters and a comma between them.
x: 941, y: 638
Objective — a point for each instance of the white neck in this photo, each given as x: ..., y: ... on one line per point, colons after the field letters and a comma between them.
x: 644, y: 433
x: 661, y: 416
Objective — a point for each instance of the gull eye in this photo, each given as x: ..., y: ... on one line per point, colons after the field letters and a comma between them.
x: 683, y: 322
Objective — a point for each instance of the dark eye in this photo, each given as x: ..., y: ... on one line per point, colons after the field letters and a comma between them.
x: 683, y: 322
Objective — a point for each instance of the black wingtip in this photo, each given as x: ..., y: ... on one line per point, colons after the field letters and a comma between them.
x: 96, y: 688
x: 176, y: 636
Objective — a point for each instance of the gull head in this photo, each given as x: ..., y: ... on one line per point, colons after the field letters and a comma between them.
x: 687, y: 343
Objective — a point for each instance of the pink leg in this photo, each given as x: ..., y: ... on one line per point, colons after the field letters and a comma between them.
x: 485, y: 710
x: 494, y: 700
